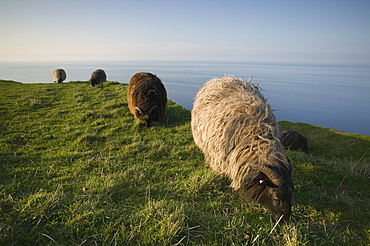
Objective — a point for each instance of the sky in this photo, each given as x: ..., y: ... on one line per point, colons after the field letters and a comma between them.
x: 296, y: 31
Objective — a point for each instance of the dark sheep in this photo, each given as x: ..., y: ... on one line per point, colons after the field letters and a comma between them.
x: 147, y: 98
x: 293, y: 140
x: 97, y: 77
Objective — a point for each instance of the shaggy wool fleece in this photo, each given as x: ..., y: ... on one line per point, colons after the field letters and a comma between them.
x: 59, y: 75
x: 234, y: 126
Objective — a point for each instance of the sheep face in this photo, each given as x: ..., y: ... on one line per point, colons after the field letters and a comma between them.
x: 93, y: 82
x: 147, y: 116
x: 276, y: 198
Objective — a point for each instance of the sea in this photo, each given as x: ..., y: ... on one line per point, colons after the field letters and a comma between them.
x: 332, y: 96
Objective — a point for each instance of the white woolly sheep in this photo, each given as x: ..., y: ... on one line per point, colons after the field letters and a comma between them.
x: 237, y: 132
x: 59, y: 75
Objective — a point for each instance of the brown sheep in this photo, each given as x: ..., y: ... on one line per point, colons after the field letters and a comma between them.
x: 293, y: 140
x: 147, y: 98
x: 98, y: 77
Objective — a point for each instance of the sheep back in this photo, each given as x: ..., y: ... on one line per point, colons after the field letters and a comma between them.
x: 97, y: 77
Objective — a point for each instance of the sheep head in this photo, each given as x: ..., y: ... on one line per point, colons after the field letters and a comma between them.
x: 147, y: 116
x: 270, y: 188
x: 93, y: 82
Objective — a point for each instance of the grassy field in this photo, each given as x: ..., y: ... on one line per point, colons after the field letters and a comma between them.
x: 75, y: 169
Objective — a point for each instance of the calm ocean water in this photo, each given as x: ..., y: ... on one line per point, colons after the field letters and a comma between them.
x: 327, y: 95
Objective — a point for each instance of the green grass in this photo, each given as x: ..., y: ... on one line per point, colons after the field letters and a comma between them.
x: 75, y: 169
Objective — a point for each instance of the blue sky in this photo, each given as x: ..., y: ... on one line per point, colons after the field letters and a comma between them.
x: 314, y: 31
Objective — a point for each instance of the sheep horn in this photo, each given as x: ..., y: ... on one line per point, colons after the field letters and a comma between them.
x: 269, y: 173
x: 151, y: 110
x: 141, y: 112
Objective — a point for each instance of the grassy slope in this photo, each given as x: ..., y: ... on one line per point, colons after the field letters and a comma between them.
x: 77, y: 170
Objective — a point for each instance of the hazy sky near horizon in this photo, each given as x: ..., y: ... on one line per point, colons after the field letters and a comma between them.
x: 315, y: 31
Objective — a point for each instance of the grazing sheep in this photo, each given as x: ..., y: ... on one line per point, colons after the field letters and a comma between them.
x: 293, y: 140
x: 59, y: 75
x: 97, y: 77
x: 237, y: 132
x: 147, y: 98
